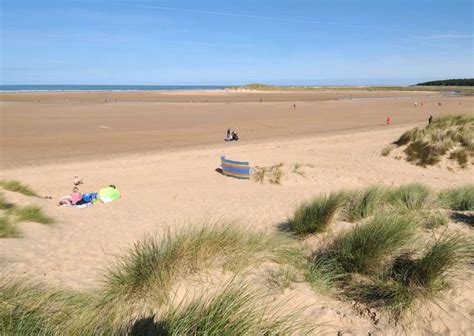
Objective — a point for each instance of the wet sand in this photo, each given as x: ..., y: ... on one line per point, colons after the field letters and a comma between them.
x: 35, y: 133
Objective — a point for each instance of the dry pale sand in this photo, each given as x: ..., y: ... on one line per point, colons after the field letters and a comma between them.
x: 181, y: 187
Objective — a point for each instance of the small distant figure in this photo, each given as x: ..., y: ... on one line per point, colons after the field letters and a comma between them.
x: 439, y: 104
x: 78, y: 181
x: 261, y: 100
x: 430, y: 120
x: 389, y: 121
x: 293, y: 106
x: 231, y: 135
x: 421, y: 104
x: 416, y: 104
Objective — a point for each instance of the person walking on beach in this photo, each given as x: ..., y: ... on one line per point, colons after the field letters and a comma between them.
x: 430, y: 120
x: 389, y: 121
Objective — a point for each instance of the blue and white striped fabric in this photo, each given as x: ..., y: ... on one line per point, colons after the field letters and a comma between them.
x: 237, y: 169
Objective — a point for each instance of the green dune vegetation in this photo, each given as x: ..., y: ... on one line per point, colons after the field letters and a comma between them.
x: 462, y: 86
x: 137, y: 298
x: 388, y: 258
x: 449, y: 82
x: 450, y: 137
x: 11, y: 214
x: 17, y: 186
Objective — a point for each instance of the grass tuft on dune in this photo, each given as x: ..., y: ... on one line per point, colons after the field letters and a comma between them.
x: 459, y: 198
x: 237, y: 310
x: 8, y: 229
x: 418, y: 277
x: 17, y: 186
x: 413, y: 196
x: 364, y: 248
x: 153, y: 266
x: 316, y: 215
x: 363, y: 203
x: 450, y: 136
x: 32, y: 213
x: 4, y: 204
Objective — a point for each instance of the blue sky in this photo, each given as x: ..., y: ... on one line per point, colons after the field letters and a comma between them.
x: 235, y: 42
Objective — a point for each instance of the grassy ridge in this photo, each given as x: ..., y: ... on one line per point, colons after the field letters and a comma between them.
x: 441, y: 88
x: 450, y: 136
x: 135, y: 296
x: 383, y: 261
x: 13, y: 214
x: 414, y: 278
x: 354, y: 205
x: 153, y: 266
x: 17, y: 186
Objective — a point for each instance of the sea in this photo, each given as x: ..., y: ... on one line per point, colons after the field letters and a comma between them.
x: 17, y: 88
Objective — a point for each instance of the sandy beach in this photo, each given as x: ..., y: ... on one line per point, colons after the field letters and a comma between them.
x: 163, y: 156
x: 50, y: 131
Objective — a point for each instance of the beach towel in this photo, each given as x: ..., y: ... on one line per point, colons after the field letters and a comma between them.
x: 90, y: 197
x: 109, y: 194
x: 237, y: 169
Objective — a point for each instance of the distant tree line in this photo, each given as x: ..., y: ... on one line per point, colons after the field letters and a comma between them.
x: 450, y: 82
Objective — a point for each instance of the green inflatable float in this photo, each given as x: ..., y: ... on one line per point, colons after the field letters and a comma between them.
x: 109, y: 194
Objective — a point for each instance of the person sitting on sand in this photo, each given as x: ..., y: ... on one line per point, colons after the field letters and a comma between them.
x: 235, y: 136
x: 76, y: 196
x: 228, y: 138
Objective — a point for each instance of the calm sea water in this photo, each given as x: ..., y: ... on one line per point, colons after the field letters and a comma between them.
x: 107, y: 87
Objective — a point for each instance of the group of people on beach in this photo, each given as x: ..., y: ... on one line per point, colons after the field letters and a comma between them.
x: 76, y: 198
x: 231, y: 135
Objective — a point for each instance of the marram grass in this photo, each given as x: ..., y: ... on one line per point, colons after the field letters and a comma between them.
x: 32, y: 213
x: 237, y: 310
x: 316, y: 215
x: 17, y: 186
x: 136, y: 297
x: 451, y: 136
x: 417, y: 278
x: 458, y: 198
x: 363, y: 249
x: 413, y: 196
x: 8, y: 229
x: 152, y: 266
